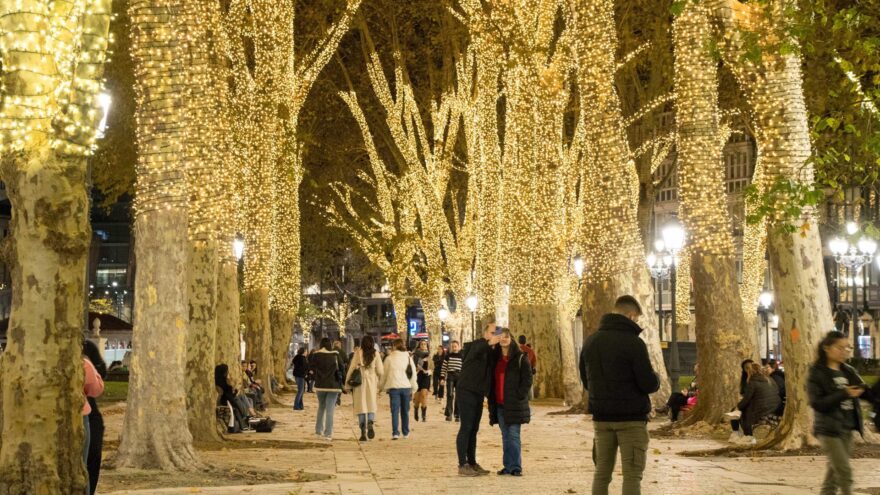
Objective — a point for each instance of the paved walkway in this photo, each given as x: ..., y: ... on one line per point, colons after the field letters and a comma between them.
x: 556, y: 458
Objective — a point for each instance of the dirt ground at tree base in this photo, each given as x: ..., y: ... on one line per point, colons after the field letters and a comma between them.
x: 556, y: 460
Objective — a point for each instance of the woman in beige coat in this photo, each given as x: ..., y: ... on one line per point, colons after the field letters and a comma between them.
x: 367, y: 360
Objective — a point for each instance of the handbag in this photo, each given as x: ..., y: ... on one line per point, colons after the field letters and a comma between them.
x: 356, y: 378
x: 409, y: 370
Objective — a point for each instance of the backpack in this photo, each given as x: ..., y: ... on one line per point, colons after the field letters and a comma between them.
x: 262, y: 425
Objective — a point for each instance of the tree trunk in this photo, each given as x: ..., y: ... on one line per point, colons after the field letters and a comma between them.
x: 571, y: 379
x: 599, y: 300
x: 258, y: 336
x: 157, y: 387
x: 282, y: 330
x: 722, y: 337
x: 541, y: 326
x: 153, y: 433
x: 42, y: 364
x: 804, y: 311
x: 228, y: 346
x: 201, y: 393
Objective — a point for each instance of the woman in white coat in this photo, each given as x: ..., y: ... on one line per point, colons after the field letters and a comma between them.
x: 399, y: 380
x: 368, y: 362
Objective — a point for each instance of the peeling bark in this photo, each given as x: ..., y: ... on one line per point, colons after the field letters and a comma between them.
x: 42, y: 365
x: 258, y: 336
x: 201, y: 339
x: 228, y: 342
x: 541, y: 326
x: 154, y: 432
x: 282, y: 330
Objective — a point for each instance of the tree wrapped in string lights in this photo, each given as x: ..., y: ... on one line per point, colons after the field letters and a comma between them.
x: 52, y: 54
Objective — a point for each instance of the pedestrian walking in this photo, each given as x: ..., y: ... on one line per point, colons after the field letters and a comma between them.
x: 834, y: 389
x: 533, y: 361
x: 449, y: 379
x: 366, y: 363
x: 300, y: 371
x: 399, y: 380
x: 619, y: 378
x: 337, y: 346
x: 327, y: 365
x: 439, y: 357
x: 472, y: 387
x: 423, y: 383
x: 310, y: 374
x: 96, y: 419
x: 93, y: 387
x: 509, y: 399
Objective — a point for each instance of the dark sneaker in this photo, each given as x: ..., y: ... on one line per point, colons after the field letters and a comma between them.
x: 479, y: 469
x: 370, y: 432
x: 503, y: 472
x: 467, y: 470
x: 516, y: 472
x: 456, y: 420
x: 448, y: 418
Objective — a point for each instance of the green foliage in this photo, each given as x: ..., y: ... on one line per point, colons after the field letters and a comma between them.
x: 783, y: 203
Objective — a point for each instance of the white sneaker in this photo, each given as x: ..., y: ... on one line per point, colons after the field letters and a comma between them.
x: 406, y: 436
x: 395, y: 437
x: 329, y: 439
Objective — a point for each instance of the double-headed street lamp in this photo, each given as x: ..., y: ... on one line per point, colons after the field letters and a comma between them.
x: 853, y: 257
x: 662, y: 267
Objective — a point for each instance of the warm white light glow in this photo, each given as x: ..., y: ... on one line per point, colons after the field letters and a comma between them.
x: 104, y: 101
x: 867, y: 245
x: 673, y: 237
x: 652, y: 259
x: 766, y: 299
x: 838, y: 246
x: 471, y: 302
x: 852, y: 228
x: 578, y: 266
x: 238, y: 248
x: 443, y: 314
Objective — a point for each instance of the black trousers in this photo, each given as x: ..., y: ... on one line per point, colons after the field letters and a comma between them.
x: 96, y: 445
x: 451, y: 396
x: 470, y: 410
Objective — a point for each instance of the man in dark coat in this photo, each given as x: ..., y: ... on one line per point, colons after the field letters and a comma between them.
x: 472, y: 387
x: 617, y: 373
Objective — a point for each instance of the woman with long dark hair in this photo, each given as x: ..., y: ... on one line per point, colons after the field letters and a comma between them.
x: 300, y: 370
x: 509, y: 399
x: 369, y: 364
x: 96, y: 420
x: 834, y: 389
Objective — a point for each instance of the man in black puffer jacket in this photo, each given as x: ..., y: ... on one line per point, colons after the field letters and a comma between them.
x: 617, y: 373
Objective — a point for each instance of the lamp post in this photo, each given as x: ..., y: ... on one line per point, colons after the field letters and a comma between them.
x: 765, y: 300
x: 442, y: 314
x: 853, y: 257
x: 471, y: 303
x: 662, y: 266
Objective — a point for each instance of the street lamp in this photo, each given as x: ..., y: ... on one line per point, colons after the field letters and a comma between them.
x: 765, y: 300
x: 853, y: 257
x: 443, y: 315
x: 104, y: 100
x: 662, y: 266
x: 471, y: 303
x: 659, y: 266
x: 238, y: 248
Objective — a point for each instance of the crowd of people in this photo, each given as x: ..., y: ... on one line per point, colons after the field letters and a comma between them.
x: 498, y: 370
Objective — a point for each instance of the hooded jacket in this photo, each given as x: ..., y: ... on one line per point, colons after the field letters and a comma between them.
x: 329, y: 370
x: 517, y: 382
x: 617, y: 372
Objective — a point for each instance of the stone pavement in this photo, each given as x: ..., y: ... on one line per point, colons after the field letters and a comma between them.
x: 556, y: 459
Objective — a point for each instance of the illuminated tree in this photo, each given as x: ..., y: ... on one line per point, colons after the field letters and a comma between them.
x: 772, y: 81
x: 340, y: 313
x: 157, y: 379
x: 52, y: 54
x: 722, y: 336
x: 613, y: 246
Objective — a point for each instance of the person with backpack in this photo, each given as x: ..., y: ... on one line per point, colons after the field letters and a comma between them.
x: 328, y: 367
x: 834, y: 389
x: 399, y: 380
x: 364, y: 374
x: 619, y: 378
x: 509, y: 399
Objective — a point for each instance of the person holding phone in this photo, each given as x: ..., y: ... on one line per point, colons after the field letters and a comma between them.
x: 473, y: 386
x: 834, y: 389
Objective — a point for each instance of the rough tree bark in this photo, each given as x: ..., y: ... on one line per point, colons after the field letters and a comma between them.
x: 228, y: 343
x: 201, y: 395
x: 258, y: 336
x: 52, y: 59
x: 159, y: 338
x: 282, y: 329
x: 41, y: 367
x: 722, y: 336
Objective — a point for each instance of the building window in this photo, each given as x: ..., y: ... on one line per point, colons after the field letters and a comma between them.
x: 107, y: 276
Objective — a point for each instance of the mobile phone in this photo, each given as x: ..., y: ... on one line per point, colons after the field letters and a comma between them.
x: 499, y: 330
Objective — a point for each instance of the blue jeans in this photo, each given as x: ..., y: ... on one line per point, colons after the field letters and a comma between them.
x: 326, y: 408
x: 400, y: 399
x: 511, y: 444
x: 363, y: 418
x: 300, y: 390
